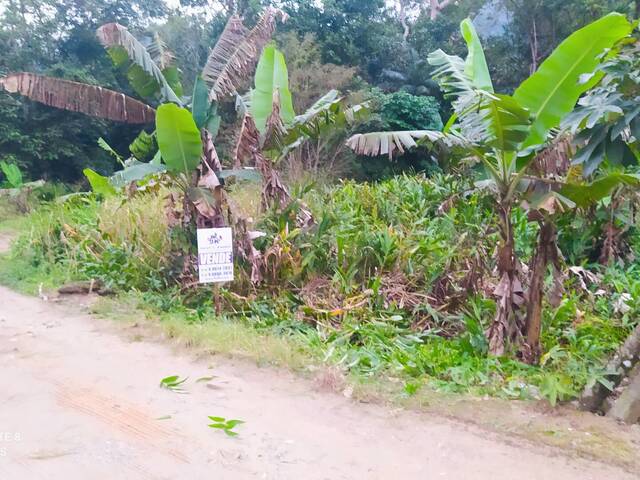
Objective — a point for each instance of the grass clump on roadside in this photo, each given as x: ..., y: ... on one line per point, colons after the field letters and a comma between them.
x: 202, y: 329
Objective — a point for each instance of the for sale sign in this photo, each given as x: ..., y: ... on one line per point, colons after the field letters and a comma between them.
x: 215, y: 255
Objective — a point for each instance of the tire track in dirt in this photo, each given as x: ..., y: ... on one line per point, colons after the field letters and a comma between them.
x: 120, y: 416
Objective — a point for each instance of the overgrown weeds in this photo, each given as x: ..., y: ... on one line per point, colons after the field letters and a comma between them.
x: 394, y: 281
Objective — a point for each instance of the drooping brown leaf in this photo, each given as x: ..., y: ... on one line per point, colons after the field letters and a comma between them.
x: 248, y: 143
x: 231, y: 39
x: 209, y: 154
x: 248, y: 149
x: 244, y: 241
x: 274, y: 191
x: 274, y: 128
x: 79, y: 97
x: 235, y: 55
x: 392, y: 143
x: 160, y: 52
x: 555, y: 160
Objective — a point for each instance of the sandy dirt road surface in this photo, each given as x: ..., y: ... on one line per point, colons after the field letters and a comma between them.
x: 81, y: 401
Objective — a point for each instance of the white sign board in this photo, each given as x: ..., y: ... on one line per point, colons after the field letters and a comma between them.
x: 215, y: 255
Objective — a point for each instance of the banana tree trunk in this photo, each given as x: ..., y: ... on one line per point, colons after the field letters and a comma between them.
x: 275, y: 193
x: 610, y: 246
x: 503, y: 325
x: 546, y: 251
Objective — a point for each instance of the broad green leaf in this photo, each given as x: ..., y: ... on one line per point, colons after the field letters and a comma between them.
x: 178, y: 138
x: 143, y: 147
x: 271, y: 78
x: 157, y: 159
x: 12, y: 173
x: 552, y: 92
x: 172, y: 75
x: 507, y: 122
x: 135, y: 171
x: 328, y: 104
x: 214, y: 121
x: 143, y: 83
x: 115, y: 35
x: 102, y: 143
x: 200, y: 102
x: 585, y: 195
x: 205, y: 112
x: 99, y: 184
x: 476, y: 64
x: 118, y: 56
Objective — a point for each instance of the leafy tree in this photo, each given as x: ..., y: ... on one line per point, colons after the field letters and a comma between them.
x: 394, y: 112
x: 57, y: 38
x: 606, y: 126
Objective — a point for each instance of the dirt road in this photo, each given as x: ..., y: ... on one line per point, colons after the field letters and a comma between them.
x: 81, y: 401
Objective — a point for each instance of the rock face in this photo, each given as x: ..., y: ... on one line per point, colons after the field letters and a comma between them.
x: 627, y: 407
x: 594, y: 398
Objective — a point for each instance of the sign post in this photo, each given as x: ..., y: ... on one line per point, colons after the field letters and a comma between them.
x: 215, y: 255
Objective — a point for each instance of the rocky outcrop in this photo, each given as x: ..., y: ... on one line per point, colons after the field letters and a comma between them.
x: 626, y: 407
x: 623, y: 402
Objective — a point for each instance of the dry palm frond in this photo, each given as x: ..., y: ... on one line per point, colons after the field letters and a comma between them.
x: 160, y: 53
x: 79, y: 97
x: 115, y: 35
x: 209, y: 154
x: 237, y: 51
x: 248, y: 142
x: 555, y: 160
x: 388, y: 143
x: 244, y: 244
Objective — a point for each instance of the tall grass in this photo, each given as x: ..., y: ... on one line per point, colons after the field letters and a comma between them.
x: 121, y: 242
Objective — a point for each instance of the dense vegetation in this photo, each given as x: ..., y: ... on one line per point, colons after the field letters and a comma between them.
x: 491, y: 249
x: 379, y: 287
x: 350, y: 45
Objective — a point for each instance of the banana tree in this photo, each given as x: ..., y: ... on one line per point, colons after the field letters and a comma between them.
x: 506, y: 133
x: 184, y: 136
x: 555, y: 188
x: 271, y: 130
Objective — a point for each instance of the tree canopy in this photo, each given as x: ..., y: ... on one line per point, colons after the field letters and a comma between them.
x: 375, y: 44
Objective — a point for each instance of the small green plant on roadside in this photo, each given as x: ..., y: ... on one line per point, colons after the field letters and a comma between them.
x: 12, y: 173
x: 411, y: 388
x: 174, y: 383
x: 225, y: 425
